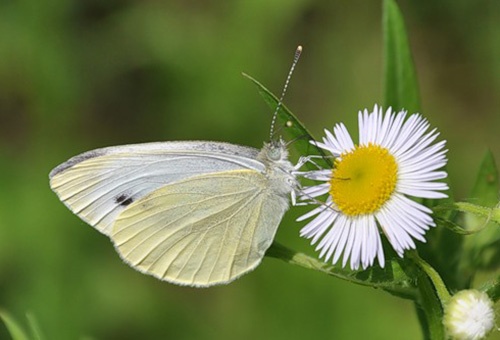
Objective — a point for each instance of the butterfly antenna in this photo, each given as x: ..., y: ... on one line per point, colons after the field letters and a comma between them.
x: 296, y: 57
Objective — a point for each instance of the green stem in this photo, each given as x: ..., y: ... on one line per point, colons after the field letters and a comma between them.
x: 441, y: 290
x: 422, y: 318
x: 433, y: 297
x: 400, y: 288
x: 431, y: 310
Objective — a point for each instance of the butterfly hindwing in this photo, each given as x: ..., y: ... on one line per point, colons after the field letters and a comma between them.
x: 204, y: 230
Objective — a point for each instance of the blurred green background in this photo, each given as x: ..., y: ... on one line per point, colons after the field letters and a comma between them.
x: 77, y: 75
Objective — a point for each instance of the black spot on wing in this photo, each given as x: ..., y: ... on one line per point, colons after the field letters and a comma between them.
x: 123, y: 200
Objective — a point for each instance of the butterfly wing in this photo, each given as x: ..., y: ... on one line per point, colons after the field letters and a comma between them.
x: 205, y: 230
x: 98, y: 185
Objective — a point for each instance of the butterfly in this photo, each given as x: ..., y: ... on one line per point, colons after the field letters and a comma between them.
x: 194, y: 213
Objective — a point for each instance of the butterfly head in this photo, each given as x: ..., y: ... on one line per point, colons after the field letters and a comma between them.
x: 279, y: 171
x: 274, y: 152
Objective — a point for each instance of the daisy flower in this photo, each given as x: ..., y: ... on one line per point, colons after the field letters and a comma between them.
x: 469, y: 315
x: 368, y: 187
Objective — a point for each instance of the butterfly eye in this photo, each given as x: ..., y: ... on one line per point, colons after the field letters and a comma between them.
x: 274, y: 154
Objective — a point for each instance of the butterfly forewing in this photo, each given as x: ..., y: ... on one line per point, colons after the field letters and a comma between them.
x: 98, y: 185
x: 205, y: 230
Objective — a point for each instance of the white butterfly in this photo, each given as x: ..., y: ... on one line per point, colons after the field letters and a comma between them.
x: 192, y: 213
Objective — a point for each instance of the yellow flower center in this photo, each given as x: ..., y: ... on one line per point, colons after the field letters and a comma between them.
x: 363, y: 179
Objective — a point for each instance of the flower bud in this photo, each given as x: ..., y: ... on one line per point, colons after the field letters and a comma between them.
x: 469, y: 315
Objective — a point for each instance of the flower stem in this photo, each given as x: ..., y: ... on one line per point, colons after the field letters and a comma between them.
x: 431, y: 311
x: 393, y: 281
x: 433, y: 275
x: 433, y: 298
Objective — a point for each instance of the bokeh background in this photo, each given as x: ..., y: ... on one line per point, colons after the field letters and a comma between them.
x: 77, y: 75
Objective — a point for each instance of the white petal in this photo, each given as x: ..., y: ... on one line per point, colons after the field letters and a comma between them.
x: 418, y: 168
x: 430, y: 155
x: 359, y: 235
x: 422, y: 176
x: 317, y: 225
x: 365, y: 249
x: 314, y: 191
x: 371, y: 127
x: 350, y: 240
x: 334, y: 146
x: 362, y: 126
x: 412, y: 129
x: 344, y: 139
x: 311, y: 213
x: 420, y: 185
x: 388, y: 226
x: 386, y: 127
x: 342, y: 238
x: 425, y: 193
x: 383, y: 222
x: 322, y: 146
x: 376, y: 244
x: 393, y: 132
x: 332, y: 238
x: 420, y: 145
x: 327, y: 223
x: 318, y: 175
x: 403, y: 219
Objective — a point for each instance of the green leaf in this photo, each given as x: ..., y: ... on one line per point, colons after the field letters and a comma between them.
x: 15, y: 330
x: 490, y: 214
x: 34, y: 327
x: 393, y: 278
x: 292, y: 125
x: 400, y: 81
x: 458, y: 229
x: 485, y: 190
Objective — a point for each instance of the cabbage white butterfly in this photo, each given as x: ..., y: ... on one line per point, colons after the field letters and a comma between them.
x: 194, y: 213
